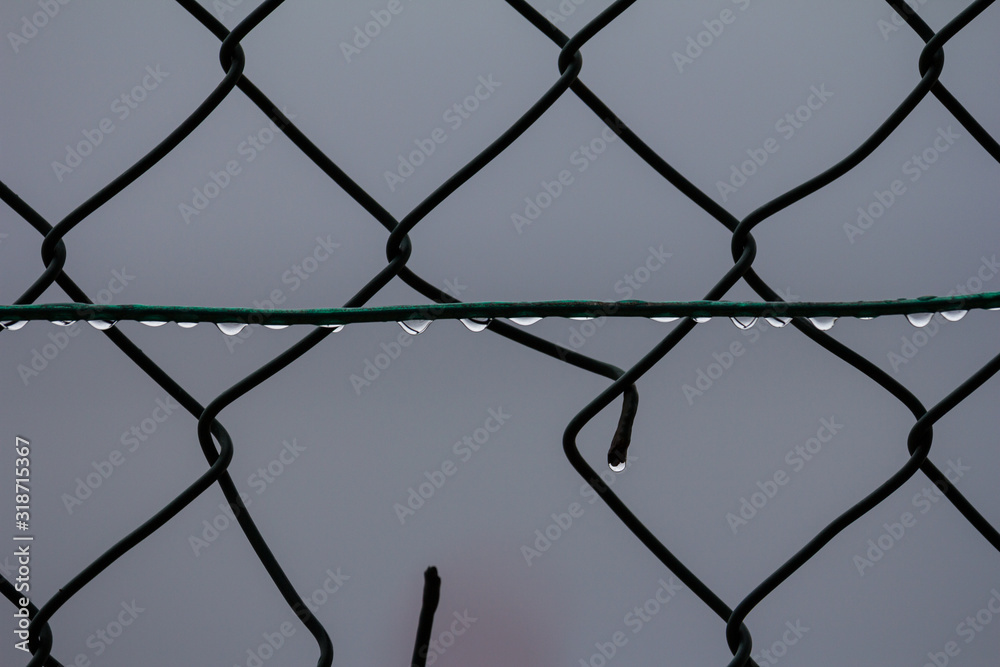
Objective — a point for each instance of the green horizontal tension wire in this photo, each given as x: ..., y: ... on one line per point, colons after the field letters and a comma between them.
x: 60, y: 312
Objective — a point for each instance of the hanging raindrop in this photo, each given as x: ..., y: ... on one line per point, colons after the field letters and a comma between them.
x: 231, y: 328
x: 823, y: 323
x: 414, y: 327
x: 63, y: 323
x: 616, y: 459
x: 187, y: 325
x: 778, y: 322
x: 587, y: 317
x: 14, y: 325
x: 276, y: 327
x: 954, y: 315
x: 476, y: 325
x: 920, y: 319
x: 335, y: 327
x: 525, y: 321
x: 101, y: 325
x: 665, y: 320
x: 744, y: 322
x: 152, y: 323
x: 701, y: 320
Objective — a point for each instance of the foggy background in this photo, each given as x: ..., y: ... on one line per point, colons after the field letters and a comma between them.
x: 350, y: 450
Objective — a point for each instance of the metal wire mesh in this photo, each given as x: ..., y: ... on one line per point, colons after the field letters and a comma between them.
x: 218, y: 447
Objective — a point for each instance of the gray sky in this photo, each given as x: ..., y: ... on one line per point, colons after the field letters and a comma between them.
x: 329, y: 450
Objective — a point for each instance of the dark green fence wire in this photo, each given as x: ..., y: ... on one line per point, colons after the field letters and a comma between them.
x: 104, y: 316
x: 809, y: 318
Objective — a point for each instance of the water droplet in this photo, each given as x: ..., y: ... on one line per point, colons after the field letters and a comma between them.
x: 823, y: 323
x: 476, y: 325
x: 778, y: 322
x: 744, y: 322
x: 153, y: 323
x: 587, y: 317
x: 14, y: 325
x: 335, y: 327
x: 701, y: 320
x: 63, y: 323
x: 276, y: 327
x: 866, y: 318
x: 920, y: 319
x: 101, y: 325
x: 665, y: 320
x: 616, y: 459
x: 525, y: 321
x: 953, y: 315
x: 414, y: 327
x: 231, y: 328
x: 187, y: 325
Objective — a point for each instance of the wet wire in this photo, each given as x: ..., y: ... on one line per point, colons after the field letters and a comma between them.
x: 218, y: 447
x: 660, y: 310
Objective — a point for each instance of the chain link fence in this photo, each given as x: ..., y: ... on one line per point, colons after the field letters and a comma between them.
x: 812, y: 320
